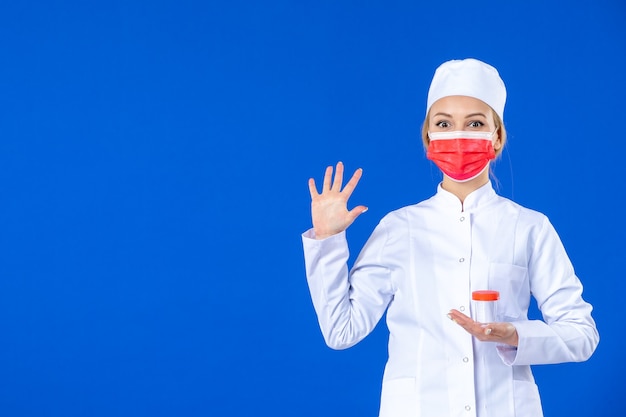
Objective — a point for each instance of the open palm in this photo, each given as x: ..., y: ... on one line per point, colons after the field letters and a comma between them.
x: 329, y: 209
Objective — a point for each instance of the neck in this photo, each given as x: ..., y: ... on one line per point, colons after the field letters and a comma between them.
x: 463, y: 189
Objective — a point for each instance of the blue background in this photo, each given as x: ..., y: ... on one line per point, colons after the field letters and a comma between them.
x: 154, y: 158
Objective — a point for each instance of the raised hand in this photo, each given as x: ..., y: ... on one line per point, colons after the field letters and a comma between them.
x: 329, y: 209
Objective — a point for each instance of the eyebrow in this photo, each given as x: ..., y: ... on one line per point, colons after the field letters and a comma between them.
x: 467, y: 117
x: 475, y: 114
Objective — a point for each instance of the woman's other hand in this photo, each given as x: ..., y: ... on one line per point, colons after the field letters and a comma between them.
x: 329, y: 209
x: 487, y: 332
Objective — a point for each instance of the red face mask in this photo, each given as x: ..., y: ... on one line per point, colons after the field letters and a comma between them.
x: 461, y: 155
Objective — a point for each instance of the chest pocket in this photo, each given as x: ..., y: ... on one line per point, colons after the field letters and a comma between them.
x: 512, y: 283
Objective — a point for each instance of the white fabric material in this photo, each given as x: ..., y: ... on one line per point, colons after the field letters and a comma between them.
x: 423, y: 260
x: 468, y: 77
x: 461, y: 134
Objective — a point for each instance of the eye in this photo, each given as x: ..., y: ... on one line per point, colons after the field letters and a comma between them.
x: 476, y: 124
x: 443, y: 124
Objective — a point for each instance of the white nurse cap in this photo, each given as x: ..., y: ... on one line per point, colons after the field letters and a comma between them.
x: 468, y: 77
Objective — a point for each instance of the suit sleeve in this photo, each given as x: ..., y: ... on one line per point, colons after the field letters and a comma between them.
x: 568, y: 332
x: 348, y: 304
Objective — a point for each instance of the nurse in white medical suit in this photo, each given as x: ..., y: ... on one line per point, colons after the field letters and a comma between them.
x: 422, y: 262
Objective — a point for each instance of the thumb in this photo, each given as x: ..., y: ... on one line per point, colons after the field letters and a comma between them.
x: 356, y: 212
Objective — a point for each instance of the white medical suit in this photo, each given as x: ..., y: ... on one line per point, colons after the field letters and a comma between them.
x: 423, y: 260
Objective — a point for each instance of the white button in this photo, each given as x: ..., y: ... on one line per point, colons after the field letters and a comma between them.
x: 466, y: 359
x: 462, y: 308
x: 462, y: 218
x: 467, y: 408
x: 462, y: 260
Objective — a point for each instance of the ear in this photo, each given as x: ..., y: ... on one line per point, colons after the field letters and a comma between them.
x: 497, y: 143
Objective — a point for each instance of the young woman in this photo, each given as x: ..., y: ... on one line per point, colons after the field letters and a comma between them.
x: 422, y: 263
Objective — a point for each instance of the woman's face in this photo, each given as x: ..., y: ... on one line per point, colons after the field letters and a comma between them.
x: 454, y: 113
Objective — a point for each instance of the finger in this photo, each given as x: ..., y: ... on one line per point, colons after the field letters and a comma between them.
x: 460, y: 318
x: 338, y: 177
x: 499, y: 330
x: 492, y: 329
x: 351, y: 185
x: 356, y: 212
x: 313, y: 188
x: 473, y: 327
x: 327, y: 177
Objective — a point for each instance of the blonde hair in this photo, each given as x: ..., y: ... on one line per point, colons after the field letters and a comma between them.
x: 497, y: 121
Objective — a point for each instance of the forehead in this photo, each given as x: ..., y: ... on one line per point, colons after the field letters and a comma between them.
x: 460, y: 106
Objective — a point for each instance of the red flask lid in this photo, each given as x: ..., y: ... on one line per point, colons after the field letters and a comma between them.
x: 485, y: 295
